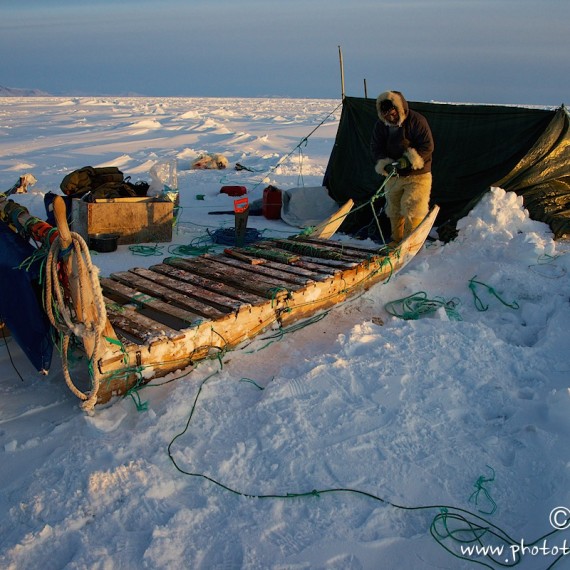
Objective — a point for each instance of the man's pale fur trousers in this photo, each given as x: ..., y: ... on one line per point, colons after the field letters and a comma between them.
x: 408, y: 196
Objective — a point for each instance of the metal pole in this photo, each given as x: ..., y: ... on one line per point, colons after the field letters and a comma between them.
x: 365, y: 89
x: 341, y: 72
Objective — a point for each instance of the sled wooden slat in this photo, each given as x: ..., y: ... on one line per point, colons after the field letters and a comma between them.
x: 260, y: 273
x: 166, y: 294
x: 137, y: 326
x: 262, y: 270
x: 172, y: 268
x: 325, y: 249
x: 266, y: 286
x: 306, y: 263
x: 331, y: 263
x: 360, y: 251
x: 292, y: 267
x: 142, y: 300
x: 220, y: 302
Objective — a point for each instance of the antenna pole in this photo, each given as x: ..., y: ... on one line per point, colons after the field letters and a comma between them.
x: 365, y: 89
x: 341, y: 72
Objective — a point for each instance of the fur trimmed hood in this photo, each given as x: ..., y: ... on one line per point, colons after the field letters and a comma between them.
x: 398, y: 100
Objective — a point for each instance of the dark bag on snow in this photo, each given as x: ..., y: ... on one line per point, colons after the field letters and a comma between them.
x: 89, y: 178
x: 91, y: 183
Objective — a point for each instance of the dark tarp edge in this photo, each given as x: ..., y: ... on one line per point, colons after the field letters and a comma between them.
x: 542, y: 177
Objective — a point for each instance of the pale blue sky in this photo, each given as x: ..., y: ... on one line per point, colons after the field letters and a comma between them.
x: 484, y: 51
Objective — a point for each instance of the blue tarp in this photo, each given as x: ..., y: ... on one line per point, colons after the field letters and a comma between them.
x: 20, y: 299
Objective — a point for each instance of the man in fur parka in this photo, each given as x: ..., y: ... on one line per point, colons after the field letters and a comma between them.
x: 402, y: 140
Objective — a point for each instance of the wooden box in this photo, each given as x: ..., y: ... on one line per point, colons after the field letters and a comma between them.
x: 134, y: 220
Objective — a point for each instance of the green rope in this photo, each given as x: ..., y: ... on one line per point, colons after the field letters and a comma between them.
x: 304, y: 141
x: 281, y: 332
x: 480, y: 488
x: 146, y: 250
x: 39, y: 256
x: 417, y: 305
x: 300, y: 179
x: 274, y: 291
x: 551, y: 270
x: 473, y: 530
x: 252, y: 382
x: 188, y: 250
x: 134, y: 393
x: 378, y: 194
x: 479, y: 305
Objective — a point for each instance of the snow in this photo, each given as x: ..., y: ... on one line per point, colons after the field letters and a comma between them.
x: 396, y: 413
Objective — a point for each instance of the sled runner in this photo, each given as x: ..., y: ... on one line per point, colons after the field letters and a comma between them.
x: 140, y: 324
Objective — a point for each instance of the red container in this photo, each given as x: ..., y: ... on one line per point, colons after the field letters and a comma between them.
x: 233, y: 190
x: 272, y: 200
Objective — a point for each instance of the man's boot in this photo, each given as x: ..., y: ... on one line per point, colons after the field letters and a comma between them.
x: 397, y: 225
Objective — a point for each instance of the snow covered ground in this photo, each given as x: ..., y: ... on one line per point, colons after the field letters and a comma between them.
x: 388, y: 429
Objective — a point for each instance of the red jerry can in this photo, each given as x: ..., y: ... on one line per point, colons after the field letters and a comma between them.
x: 272, y: 200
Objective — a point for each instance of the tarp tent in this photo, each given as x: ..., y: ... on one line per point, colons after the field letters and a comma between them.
x: 524, y: 150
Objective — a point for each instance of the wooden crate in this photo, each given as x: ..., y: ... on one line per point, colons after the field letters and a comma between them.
x: 135, y: 220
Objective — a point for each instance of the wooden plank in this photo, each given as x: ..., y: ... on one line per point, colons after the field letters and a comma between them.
x: 269, y: 254
x: 169, y: 296
x: 314, y: 265
x: 245, y: 258
x: 220, y: 302
x: 291, y: 267
x: 328, y: 227
x: 261, y: 273
x: 170, y: 268
x: 362, y: 251
x: 285, y: 245
x: 131, y: 295
x: 263, y: 270
x: 265, y: 286
x: 139, y: 327
x: 329, y: 250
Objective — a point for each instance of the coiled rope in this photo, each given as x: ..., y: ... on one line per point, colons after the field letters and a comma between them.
x: 418, y: 304
x: 67, y: 323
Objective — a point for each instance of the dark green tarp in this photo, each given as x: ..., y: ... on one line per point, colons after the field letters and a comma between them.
x: 520, y: 149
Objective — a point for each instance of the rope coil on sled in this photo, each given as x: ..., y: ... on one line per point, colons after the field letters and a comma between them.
x: 67, y: 323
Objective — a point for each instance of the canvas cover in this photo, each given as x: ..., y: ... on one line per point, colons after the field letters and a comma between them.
x: 524, y: 150
x: 307, y: 206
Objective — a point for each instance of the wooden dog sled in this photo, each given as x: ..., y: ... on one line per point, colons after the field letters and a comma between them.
x: 140, y: 324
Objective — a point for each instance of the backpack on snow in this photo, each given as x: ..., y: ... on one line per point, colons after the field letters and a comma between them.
x: 89, y: 178
x: 101, y: 182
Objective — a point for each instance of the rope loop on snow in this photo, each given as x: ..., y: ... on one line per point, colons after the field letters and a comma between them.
x: 479, y: 305
x: 462, y: 533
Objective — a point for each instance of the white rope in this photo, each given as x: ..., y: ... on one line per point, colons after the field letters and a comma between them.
x: 65, y: 322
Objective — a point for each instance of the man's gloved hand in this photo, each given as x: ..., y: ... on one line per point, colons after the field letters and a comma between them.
x: 382, y: 165
x: 403, y: 163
